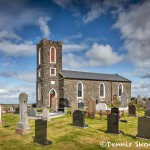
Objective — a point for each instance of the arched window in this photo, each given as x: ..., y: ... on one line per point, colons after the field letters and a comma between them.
x: 120, y: 89
x: 102, y: 90
x: 39, y: 92
x: 80, y: 89
x: 39, y: 55
x: 52, y: 55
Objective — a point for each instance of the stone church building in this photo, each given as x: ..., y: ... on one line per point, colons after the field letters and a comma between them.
x: 54, y: 84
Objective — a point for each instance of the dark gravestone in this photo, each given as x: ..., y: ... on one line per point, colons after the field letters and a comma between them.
x: 147, y: 113
x: 63, y: 102
x: 113, y: 124
x: 41, y: 132
x: 79, y: 119
x: 132, y: 110
x: 143, y: 127
x: 115, y: 110
x: 81, y: 105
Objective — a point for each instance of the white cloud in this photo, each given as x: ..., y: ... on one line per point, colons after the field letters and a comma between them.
x: 74, y: 47
x: 102, y: 55
x: 134, y: 27
x: 42, y: 22
x: 21, y: 49
x: 9, y: 36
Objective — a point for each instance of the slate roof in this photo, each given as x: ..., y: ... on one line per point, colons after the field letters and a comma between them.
x: 67, y: 74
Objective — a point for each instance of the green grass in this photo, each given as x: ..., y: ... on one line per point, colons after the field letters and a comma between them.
x: 66, y: 137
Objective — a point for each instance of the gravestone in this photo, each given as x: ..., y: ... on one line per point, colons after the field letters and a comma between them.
x: 45, y: 114
x: 101, y: 106
x: 115, y: 110
x: 65, y: 110
x: 147, y: 113
x: 81, y: 105
x: 113, y: 124
x: 74, y: 106
x: 0, y: 114
x: 54, y: 104
x: 79, y: 119
x: 132, y: 110
x: 23, y: 126
x: 91, y: 108
x: 143, y: 127
x: 139, y: 100
x: 148, y: 104
x: 33, y: 112
x: 41, y: 132
x: 124, y: 100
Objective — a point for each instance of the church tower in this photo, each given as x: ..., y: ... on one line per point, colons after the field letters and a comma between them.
x: 49, y: 64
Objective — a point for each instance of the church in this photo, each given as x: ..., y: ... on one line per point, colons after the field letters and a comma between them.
x: 53, y: 83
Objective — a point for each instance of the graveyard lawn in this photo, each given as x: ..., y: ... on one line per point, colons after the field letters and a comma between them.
x: 66, y: 137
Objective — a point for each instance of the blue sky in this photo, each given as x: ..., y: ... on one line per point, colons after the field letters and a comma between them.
x: 110, y: 36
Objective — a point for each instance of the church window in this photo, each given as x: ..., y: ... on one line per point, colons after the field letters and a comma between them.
x: 52, y: 55
x: 102, y: 90
x: 120, y: 89
x: 52, y: 71
x: 80, y: 89
x: 39, y: 92
x: 39, y: 55
x: 39, y: 73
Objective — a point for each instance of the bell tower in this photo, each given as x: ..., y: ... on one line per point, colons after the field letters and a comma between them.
x: 49, y: 64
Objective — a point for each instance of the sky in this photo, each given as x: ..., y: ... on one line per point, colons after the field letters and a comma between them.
x: 103, y: 36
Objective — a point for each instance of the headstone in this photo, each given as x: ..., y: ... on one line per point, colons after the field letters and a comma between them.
x: 79, y: 119
x: 139, y: 100
x: 23, y: 126
x: 63, y: 102
x: 33, y: 112
x: 65, y: 110
x: 45, y: 114
x: 147, y: 113
x: 143, y: 127
x: 91, y: 108
x: 11, y: 109
x: 132, y: 110
x: 101, y: 106
x: 124, y: 100
x: 113, y: 124
x: 115, y: 110
x: 0, y: 114
x: 41, y: 132
x: 148, y: 104
x: 74, y: 106
x: 81, y: 105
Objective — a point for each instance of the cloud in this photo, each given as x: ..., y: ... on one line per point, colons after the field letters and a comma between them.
x: 134, y: 24
x: 74, y: 47
x: 21, y: 49
x: 102, y: 55
x: 147, y: 75
x: 7, y: 74
x: 5, y: 35
x: 42, y: 22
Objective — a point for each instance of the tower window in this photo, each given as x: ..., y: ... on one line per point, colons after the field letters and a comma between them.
x: 39, y: 73
x: 39, y: 92
x: 52, y: 71
x: 52, y: 55
x: 39, y: 55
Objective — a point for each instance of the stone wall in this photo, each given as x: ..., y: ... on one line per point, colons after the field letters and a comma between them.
x: 91, y: 89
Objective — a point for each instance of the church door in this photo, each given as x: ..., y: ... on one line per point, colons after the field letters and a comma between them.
x: 53, y: 100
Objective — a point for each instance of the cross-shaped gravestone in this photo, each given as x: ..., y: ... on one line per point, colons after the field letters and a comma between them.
x: 23, y: 126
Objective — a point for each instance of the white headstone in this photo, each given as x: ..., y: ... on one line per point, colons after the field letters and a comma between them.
x: 0, y: 114
x: 45, y: 114
x: 148, y: 104
x: 101, y: 106
x: 23, y: 126
x: 124, y: 100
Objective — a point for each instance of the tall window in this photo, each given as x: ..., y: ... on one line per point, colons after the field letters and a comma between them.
x: 39, y: 55
x: 39, y: 73
x: 80, y: 89
x: 52, y: 55
x: 120, y: 89
x: 39, y: 92
x: 102, y: 90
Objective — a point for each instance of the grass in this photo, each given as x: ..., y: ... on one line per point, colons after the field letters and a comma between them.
x: 66, y: 137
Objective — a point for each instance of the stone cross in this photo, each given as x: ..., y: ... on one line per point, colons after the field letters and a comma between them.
x: 23, y: 126
x: 0, y: 114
